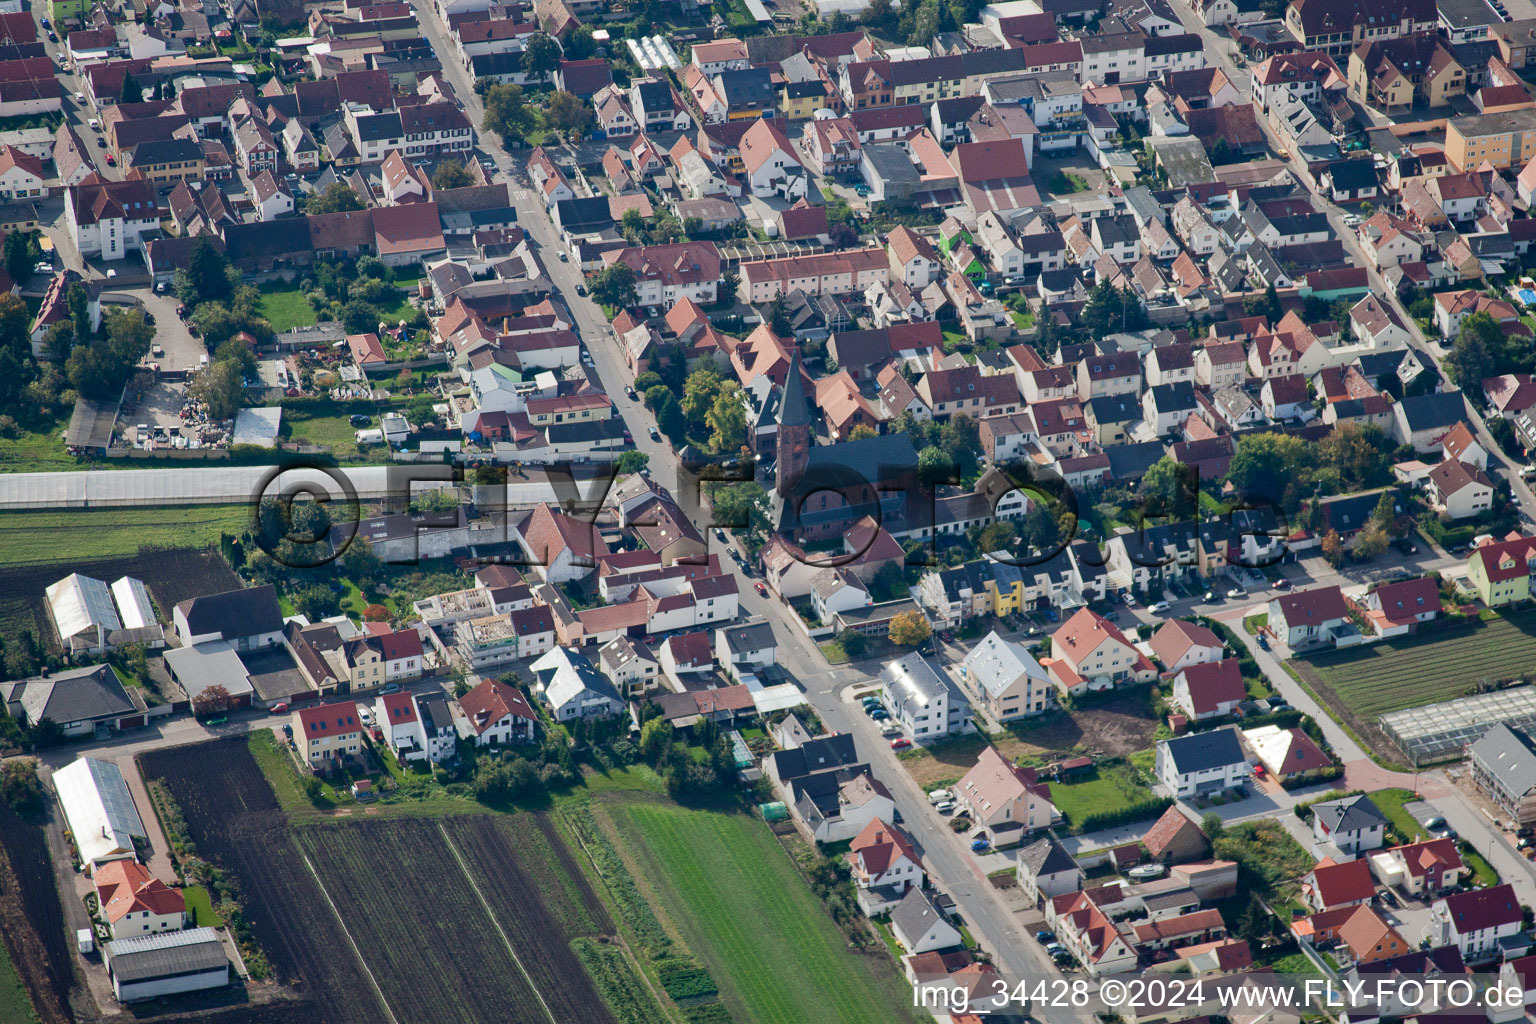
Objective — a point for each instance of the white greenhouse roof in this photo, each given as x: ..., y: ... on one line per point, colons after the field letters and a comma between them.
x: 258, y: 426
x: 80, y: 603
x: 99, y: 809
x: 134, y: 607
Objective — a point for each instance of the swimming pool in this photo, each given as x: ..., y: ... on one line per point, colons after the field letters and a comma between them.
x: 1527, y: 296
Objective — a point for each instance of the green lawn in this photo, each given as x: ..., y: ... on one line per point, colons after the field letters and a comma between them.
x: 1390, y: 802
x: 1294, y: 963
x: 1432, y: 666
x: 400, y: 309
x: 200, y: 907
x: 286, y: 307
x: 1483, y: 873
x: 1111, y: 786
x: 1023, y: 321
x: 82, y: 534
x: 15, y: 1003
x: 335, y: 433
x: 732, y: 891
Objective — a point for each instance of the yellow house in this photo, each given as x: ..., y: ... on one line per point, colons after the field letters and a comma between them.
x: 799, y: 100
x: 1388, y: 73
x: 1501, y: 572
x: 1506, y: 139
x: 1007, y: 595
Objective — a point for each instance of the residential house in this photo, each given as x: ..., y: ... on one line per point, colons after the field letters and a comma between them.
x: 1306, y: 618
x: 1210, y: 690
x: 1088, y: 652
x: 329, y: 735
x: 885, y: 866
x: 1178, y: 645
x: 1503, y: 765
x: 1426, y: 869
x: 1202, y: 763
x: 1354, y: 825
x: 1176, y: 838
x: 573, y: 688
x: 919, y: 925
x: 923, y: 704
x: 1476, y: 921
x: 1005, y: 800
x: 1501, y: 571
x: 1045, y: 870
x: 396, y: 719
x: 1010, y: 683
x: 495, y: 714
x: 134, y: 902
x: 1400, y: 607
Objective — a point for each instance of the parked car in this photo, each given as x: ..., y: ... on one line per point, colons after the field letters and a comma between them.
x: 1210, y: 596
x: 1045, y: 936
x: 630, y: 392
x: 1283, y: 583
x: 890, y: 729
x: 391, y: 688
x: 581, y: 289
x: 945, y: 808
x: 1237, y: 592
x: 938, y: 796
x: 1264, y: 641
x: 980, y: 845
x: 1159, y: 608
x: 879, y: 714
x: 762, y: 591
x: 655, y: 434
x: 900, y: 743
x: 278, y: 708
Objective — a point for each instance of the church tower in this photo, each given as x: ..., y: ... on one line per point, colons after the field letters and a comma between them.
x: 793, y: 442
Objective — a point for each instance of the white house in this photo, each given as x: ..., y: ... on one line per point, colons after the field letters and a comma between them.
x: 134, y: 902
x: 442, y: 736
x: 1353, y: 824
x: 922, y: 704
x: 836, y: 589
x: 573, y: 688
x: 107, y: 219
x: 743, y: 648
x: 1046, y: 869
x: 885, y: 866
x: 772, y: 166
x: 1202, y: 763
x: 1475, y: 920
x: 1088, y: 652
x: 247, y: 619
x: 1210, y: 690
x: 1305, y: 618
x: 394, y: 715
x: 1005, y: 799
x: 919, y: 925
x: 495, y: 714
x: 1178, y: 644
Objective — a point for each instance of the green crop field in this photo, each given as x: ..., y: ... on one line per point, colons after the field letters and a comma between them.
x: 1364, y: 683
x: 82, y: 534
x: 15, y: 1004
x: 729, y: 887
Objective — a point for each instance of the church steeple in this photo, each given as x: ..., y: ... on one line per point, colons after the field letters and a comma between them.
x: 793, y: 440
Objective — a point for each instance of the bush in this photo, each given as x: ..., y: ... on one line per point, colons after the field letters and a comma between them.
x: 1330, y: 774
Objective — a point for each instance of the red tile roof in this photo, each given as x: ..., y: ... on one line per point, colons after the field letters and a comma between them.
x: 330, y: 719
x: 126, y: 887
x: 1336, y: 885
x: 1213, y: 684
x: 491, y: 701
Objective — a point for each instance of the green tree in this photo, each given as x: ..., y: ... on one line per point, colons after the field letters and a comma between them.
x: 15, y: 326
x: 655, y: 738
x: 132, y: 92
x: 853, y: 643
x: 614, y: 285
x: 1169, y: 488
x: 579, y: 44
x: 94, y: 373
x: 727, y: 419
x: 1266, y: 305
x: 207, y: 277
x: 508, y: 113
x: 18, y: 257
x: 451, y: 174
x: 632, y: 462
x: 20, y: 787
x: 220, y: 388
x: 569, y: 114
x: 699, y: 392
x: 1333, y: 548
x: 359, y: 317
x: 79, y: 302
x: 541, y: 55
x: 742, y: 505
x: 336, y: 198
x: 129, y: 336
x: 1270, y: 466
x: 1212, y: 826
x: 239, y: 352
x: 1472, y: 359
x: 934, y: 466
x: 1111, y: 309
x: 359, y: 560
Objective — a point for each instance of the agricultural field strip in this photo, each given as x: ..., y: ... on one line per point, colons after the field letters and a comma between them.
x: 459, y: 860
x: 351, y: 941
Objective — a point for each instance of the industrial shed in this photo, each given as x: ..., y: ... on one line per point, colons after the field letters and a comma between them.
x: 1438, y: 731
x: 166, y: 963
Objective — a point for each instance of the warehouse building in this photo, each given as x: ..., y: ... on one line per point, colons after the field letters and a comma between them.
x: 166, y: 963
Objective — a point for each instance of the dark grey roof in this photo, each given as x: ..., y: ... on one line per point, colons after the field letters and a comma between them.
x: 75, y: 695
x: 1204, y: 751
x: 373, y: 127
x: 749, y: 636
x: 1175, y: 397
x: 1122, y: 408
x: 1045, y: 857
x: 1428, y: 412
x: 1349, y: 815
x: 793, y: 409
x: 164, y: 954
x: 165, y: 151
x: 435, y: 717
x: 1130, y: 461
x: 234, y: 613
x: 915, y: 914
x: 654, y: 95
x: 748, y: 87
x: 821, y: 754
